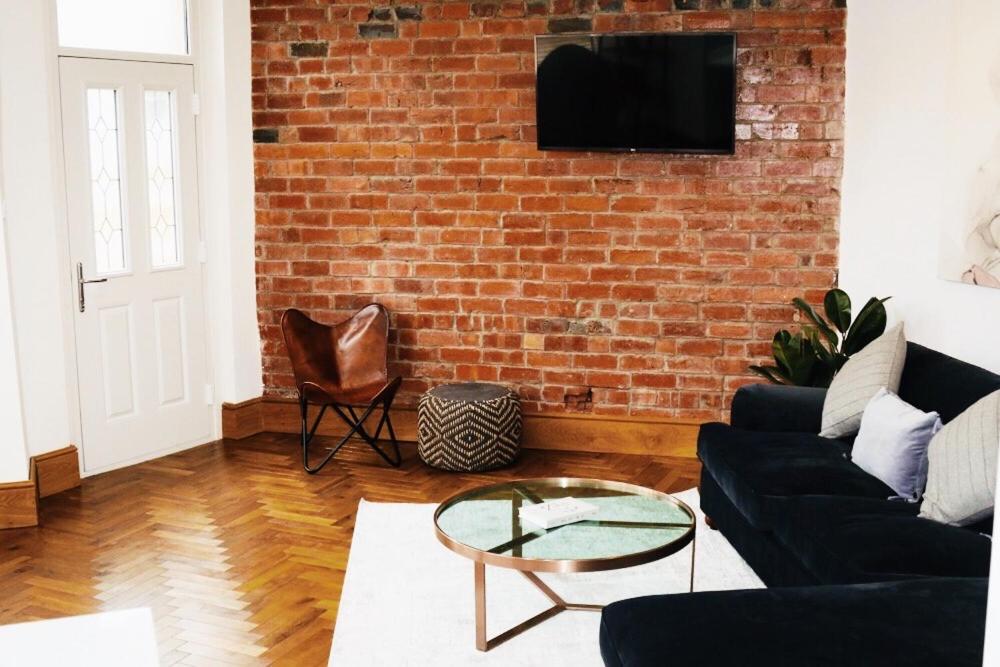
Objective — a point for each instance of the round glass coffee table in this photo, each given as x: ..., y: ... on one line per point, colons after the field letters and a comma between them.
x: 633, y: 525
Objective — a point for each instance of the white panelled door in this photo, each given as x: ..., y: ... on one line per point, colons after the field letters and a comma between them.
x: 135, y: 239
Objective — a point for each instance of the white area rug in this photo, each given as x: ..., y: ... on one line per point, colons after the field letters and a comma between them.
x: 408, y: 600
x: 125, y: 638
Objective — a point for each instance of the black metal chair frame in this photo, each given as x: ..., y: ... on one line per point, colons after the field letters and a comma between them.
x: 356, y: 425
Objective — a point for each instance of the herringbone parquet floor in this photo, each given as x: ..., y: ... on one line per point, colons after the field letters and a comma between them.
x: 239, y: 553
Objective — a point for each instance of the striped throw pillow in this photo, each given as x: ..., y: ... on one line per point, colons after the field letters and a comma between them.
x: 878, y: 365
x: 962, y: 466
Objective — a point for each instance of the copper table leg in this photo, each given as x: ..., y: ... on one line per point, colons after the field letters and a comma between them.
x: 483, y: 643
x: 694, y: 541
x: 558, y: 605
x: 480, y: 575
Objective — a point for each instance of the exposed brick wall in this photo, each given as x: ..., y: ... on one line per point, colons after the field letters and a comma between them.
x: 395, y: 162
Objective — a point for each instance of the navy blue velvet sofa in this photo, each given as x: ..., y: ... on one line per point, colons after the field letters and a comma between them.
x: 854, y: 577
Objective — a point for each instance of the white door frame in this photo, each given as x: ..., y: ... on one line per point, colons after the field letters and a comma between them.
x: 67, y: 302
x: 42, y: 291
x: 198, y: 396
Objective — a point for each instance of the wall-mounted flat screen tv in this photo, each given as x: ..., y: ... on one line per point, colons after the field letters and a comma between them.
x: 669, y: 92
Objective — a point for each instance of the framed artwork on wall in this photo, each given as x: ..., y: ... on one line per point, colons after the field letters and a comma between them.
x: 970, y: 241
x: 975, y: 258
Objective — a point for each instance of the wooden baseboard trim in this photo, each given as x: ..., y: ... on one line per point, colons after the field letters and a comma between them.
x: 609, y: 434
x: 57, y: 471
x: 48, y: 474
x: 19, y: 502
x: 241, y: 420
x: 558, y: 431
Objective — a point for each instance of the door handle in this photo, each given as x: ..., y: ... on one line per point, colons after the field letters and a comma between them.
x: 80, y: 283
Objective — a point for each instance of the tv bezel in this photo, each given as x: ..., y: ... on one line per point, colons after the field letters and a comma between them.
x: 730, y: 150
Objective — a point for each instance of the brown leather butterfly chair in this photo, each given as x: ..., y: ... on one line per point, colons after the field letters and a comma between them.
x: 340, y: 367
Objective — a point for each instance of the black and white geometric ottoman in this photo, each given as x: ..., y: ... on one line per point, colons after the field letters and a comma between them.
x: 468, y: 426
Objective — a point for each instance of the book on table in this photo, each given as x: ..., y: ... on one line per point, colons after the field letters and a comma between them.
x: 557, y: 512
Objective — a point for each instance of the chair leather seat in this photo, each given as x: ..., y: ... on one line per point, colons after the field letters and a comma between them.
x: 344, y: 363
x: 324, y: 392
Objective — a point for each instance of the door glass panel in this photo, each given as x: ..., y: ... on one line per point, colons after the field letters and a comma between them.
x: 163, y: 232
x: 144, y: 26
x: 105, y: 180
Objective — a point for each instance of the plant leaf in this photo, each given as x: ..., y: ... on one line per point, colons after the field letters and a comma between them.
x: 822, y: 377
x: 781, y: 344
x: 839, y: 359
x: 827, y: 363
x: 814, y: 317
x: 770, y: 373
x: 795, y: 356
x: 869, y: 325
x: 781, y: 340
x: 837, y: 305
x: 822, y: 353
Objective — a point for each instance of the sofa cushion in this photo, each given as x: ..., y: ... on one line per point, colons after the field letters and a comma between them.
x: 892, y: 443
x: 758, y: 471
x: 858, y: 540
x: 923, y: 623
x: 933, y: 381
x: 961, y: 484
x: 778, y: 407
x: 759, y: 548
x: 878, y: 365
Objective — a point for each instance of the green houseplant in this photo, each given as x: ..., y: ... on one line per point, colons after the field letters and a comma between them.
x: 813, y: 355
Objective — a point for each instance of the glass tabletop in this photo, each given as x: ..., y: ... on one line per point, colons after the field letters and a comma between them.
x: 633, y: 525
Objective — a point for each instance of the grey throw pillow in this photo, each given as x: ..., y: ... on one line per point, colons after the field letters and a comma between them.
x: 962, y: 466
x: 878, y: 365
x: 892, y: 443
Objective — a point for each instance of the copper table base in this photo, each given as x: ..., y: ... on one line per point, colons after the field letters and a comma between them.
x: 558, y: 605
x: 506, y: 548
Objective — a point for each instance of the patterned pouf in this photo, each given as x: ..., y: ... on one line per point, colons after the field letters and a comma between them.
x: 469, y: 426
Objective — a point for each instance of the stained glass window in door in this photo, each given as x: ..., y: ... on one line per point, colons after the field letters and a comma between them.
x: 111, y: 255
x: 163, y: 231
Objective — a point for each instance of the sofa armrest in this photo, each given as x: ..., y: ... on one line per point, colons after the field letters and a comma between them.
x: 769, y: 407
x: 920, y: 622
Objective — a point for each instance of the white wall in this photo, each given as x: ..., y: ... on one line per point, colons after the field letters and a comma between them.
x: 922, y: 118
x: 992, y: 649
x: 13, y: 454
x: 225, y: 138
x: 39, y: 279
x: 39, y: 271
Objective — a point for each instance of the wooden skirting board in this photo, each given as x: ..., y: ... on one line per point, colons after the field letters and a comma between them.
x: 562, y: 431
x: 19, y: 503
x: 57, y: 471
x: 48, y: 474
x: 241, y: 420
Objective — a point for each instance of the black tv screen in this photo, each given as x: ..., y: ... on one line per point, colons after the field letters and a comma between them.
x: 672, y: 92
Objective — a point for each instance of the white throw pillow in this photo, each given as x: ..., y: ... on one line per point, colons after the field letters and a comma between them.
x: 962, y: 465
x: 879, y: 364
x: 892, y: 443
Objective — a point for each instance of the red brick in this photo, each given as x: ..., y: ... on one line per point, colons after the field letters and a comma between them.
x: 407, y: 174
